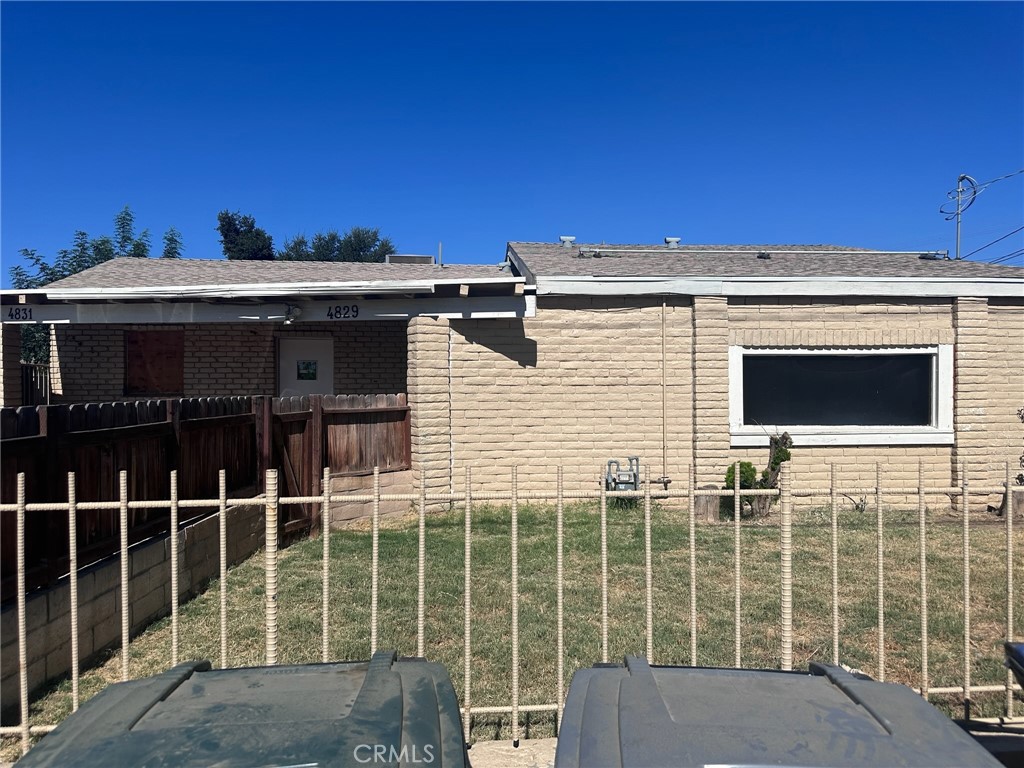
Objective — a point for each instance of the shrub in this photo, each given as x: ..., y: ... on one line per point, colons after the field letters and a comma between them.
x: 760, y: 506
x: 748, y: 479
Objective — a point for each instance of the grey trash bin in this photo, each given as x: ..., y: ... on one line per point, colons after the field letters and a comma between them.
x: 384, y: 712
x: 639, y: 716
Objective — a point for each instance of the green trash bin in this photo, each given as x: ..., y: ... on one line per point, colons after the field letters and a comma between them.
x: 638, y: 716
x: 384, y: 712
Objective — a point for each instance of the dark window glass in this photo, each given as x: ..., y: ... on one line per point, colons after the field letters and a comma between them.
x: 854, y: 390
x: 154, y: 362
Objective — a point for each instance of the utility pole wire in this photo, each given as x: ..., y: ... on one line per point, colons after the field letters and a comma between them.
x: 1008, y: 234
x: 1007, y: 257
x: 964, y: 202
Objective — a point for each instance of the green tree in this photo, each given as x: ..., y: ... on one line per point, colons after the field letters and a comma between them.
x: 360, y: 244
x: 83, y: 254
x: 240, y: 238
x: 296, y: 249
x: 173, y: 245
x: 125, y: 242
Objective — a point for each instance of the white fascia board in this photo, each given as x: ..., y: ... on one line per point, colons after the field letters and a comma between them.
x: 831, y: 436
x: 337, y: 311
x: 241, y: 291
x: 257, y: 290
x: 775, y: 286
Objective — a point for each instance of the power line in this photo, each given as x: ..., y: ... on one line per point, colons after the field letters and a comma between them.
x: 1007, y: 257
x: 963, y: 202
x: 998, y: 239
x: 993, y: 181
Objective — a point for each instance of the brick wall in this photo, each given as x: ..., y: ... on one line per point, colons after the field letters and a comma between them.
x: 48, y: 613
x: 580, y: 384
x: 711, y: 388
x: 575, y: 386
x: 10, y: 365
x: 990, y: 388
x: 836, y: 322
x: 87, y: 364
x: 1005, y: 384
x: 429, y: 403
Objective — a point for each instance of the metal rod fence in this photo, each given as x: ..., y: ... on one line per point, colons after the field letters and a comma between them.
x: 174, y: 567
x: 271, y: 502
x: 73, y: 588
x: 222, y: 551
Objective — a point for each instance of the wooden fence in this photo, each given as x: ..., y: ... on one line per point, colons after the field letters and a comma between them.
x: 197, y: 437
x: 351, y: 434
x: 35, y: 384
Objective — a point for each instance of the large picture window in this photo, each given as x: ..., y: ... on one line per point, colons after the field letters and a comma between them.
x: 848, y: 396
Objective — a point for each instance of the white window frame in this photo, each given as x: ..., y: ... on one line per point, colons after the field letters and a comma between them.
x: 940, y: 432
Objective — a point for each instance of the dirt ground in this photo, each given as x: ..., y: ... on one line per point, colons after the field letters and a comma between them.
x: 531, y: 753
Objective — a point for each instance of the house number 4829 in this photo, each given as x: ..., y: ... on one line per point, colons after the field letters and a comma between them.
x: 19, y: 313
x: 343, y: 311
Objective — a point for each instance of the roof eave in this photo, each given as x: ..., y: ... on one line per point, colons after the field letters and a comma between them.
x: 569, y: 285
x: 257, y: 290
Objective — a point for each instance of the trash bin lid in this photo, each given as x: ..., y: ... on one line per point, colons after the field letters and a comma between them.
x: 637, y: 715
x: 378, y: 713
x: 1015, y: 660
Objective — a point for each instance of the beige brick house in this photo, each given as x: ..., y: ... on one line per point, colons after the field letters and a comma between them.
x: 568, y: 355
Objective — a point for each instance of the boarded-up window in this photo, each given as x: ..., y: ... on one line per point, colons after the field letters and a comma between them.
x: 154, y: 362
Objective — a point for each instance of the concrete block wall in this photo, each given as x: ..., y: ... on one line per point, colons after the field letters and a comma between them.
x: 10, y: 365
x: 575, y: 386
x: 580, y: 383
x: 87, y: 362
x: 1005, y: 385
x: 711, y: 449
x: 48, y: 612
x: 429, y: 396
x: 808, y: 321
x: 989, y: 380
x: 390, y: 482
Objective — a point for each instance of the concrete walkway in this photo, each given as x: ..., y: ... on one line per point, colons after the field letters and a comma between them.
x: 532, y: 753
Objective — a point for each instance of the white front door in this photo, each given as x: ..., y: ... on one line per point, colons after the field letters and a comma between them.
x: 305, y: 367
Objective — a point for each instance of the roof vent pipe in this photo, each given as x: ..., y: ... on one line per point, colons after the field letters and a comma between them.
x: 672, y: 242
x: 567, y: 240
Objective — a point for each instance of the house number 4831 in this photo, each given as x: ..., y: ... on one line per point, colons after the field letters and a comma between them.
x: 343, y: 311
x: 19, y: 313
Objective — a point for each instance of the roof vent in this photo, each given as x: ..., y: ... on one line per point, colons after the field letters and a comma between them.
x: 672, y: 242
x: 934, y: 256
x: 763, y: 255
x: 408, y: 258
x: 567, y: 240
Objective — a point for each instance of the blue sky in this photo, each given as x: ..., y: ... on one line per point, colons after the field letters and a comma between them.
x: 474, y: 124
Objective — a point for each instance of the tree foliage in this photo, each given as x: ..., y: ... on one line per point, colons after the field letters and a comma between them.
x: 361, y: 244
x: 240, y: 238
x: 173, y: 245
x: 84, y: 252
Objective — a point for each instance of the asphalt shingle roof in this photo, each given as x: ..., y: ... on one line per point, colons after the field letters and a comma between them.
x: 134, y: 273
x: 820, y: 261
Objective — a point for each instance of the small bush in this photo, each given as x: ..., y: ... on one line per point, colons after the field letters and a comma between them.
x: 760, y: 506
x: 748, y: 479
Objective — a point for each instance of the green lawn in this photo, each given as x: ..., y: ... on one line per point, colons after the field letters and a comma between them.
x: 299, y: 603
